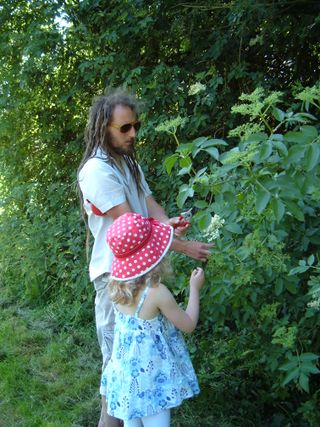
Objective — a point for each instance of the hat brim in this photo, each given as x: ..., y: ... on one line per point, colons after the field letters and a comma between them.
x: 147, y: 257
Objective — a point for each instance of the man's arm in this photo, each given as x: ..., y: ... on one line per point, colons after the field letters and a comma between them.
x: 156, y: 211
x: 192, y: 248
x: 118, y: 210
x: 197, y: 250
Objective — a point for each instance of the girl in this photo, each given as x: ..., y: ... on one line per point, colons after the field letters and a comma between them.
x: 150, y: 369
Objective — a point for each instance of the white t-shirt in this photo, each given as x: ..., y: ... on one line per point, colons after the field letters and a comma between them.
x: 106, y: 186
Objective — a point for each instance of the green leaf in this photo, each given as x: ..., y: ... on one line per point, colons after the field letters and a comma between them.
x: 310, y: 260
x: 292, y: 288
x: 233, y: 228
x: 199, y: 141
x: 309, y: 368
x: 292, y: 375
x: 213, y: 142
x: 257, y: 137
x: 213, y: 152
x: 308, y: 357
x: 169, y: 162
x: 295, y: 154
x: 200, y: 172
x: 184, y: 193
x: 204, y: 221
x: 278, y: 287
x: 295, y: 210
x: 304, y: 382
x: 230, y: 157
x: 265, y: 150
x: 262, y: 199
x: 309, y: 132
x: 184, y: 171
x: 185, y: 162
x: 298, y: 137
x: 312, y: 156
x: 243, y: 253
x: 280, y: 147
x: 288, y: 366
x: 298, y: 270
x: 201, y: 204
x: 278, y: 114
x: 278, y: 208
x: 185, y: 149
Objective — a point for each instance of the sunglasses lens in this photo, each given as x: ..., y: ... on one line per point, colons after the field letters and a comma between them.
x: 127, y: 127
x: 137, y: 126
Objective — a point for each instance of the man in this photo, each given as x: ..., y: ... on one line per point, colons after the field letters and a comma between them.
x: 112, y: 183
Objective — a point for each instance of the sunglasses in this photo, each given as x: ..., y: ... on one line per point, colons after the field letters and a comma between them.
x: 127, y: 127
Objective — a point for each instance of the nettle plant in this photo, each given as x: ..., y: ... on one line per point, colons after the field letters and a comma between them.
x: 263, y: 197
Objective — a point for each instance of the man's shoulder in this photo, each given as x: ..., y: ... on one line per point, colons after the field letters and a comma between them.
x: 96, y: 163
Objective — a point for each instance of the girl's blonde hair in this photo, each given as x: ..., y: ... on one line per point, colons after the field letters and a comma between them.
x: 124, y: 293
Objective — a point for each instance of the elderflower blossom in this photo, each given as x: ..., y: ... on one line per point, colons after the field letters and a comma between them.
x: 315, y: 304
x: 309, y: 94
x: 212, y: 232
x: 196, y: 88
x: 171, y: 125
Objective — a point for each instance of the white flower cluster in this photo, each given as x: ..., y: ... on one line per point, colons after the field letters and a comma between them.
x: 212, y: 232
x: 171, y: 125
x: 196, y: 88
x: 315, y: 304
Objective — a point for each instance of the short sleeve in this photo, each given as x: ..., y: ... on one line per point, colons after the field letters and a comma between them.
x: 100, y: 185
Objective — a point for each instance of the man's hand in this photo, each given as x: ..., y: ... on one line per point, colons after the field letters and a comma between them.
x: 179, y: 224
x: 197, y: 250
x: 192, y: 248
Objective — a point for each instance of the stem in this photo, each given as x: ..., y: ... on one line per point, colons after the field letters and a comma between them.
x: 276, y: 128
x: 259, y: 183
x: 266, y: 123
x: 175, y: 137
x: 315, y: 104
x: 263, y: 119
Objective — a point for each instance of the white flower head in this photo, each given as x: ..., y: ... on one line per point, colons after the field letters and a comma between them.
x: 171, y: 125
x: 196, y: 88
x: 315, y: 304
x: 212, y: 232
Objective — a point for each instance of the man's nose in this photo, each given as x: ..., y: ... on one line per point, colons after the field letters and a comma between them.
x: 132, y: 132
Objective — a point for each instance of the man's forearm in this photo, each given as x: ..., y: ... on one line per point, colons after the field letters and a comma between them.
x: 178, y: 245
x: 156, y: 211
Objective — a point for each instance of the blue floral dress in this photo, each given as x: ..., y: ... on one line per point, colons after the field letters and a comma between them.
x: 150, y: 369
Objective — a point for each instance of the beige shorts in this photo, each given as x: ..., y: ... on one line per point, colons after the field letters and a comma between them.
x: 104, y: 318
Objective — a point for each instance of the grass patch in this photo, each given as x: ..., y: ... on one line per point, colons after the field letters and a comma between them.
x: 49, y: 375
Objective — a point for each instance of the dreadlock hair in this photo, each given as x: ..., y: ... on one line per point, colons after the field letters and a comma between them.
x: 124, y: 292
x: 96, y: 133
x: 97, y: 136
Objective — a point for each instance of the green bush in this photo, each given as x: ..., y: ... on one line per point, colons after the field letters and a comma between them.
x: 259, y: 202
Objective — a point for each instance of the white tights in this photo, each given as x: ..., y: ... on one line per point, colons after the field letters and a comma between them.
x: 162, y: 419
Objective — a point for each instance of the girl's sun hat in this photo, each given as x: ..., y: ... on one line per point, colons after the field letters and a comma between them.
x: 138, y: 245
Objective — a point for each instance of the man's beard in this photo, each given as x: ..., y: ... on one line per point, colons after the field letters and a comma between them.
x: 121, y: 151
x: 129, y: 151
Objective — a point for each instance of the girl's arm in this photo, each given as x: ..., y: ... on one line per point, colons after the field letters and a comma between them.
x: 186, y: 320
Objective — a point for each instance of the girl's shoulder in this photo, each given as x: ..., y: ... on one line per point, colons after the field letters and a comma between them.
x: 159, y: 292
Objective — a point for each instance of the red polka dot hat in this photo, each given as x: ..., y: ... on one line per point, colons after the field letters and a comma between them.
x: 138, y: 245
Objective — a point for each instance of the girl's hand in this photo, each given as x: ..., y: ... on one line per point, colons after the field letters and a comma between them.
x: 197, y: 278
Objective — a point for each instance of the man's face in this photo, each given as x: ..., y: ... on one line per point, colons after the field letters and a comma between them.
x: 122, y: 143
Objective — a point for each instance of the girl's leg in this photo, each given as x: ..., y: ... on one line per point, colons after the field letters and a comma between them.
x: 135, y: 422
x: 105, y: 419
x: 161, y: 419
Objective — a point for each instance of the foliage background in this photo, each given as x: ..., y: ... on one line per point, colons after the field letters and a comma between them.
x: 257, y: 340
